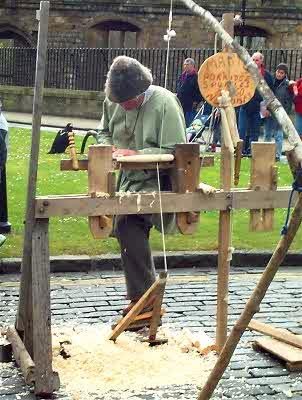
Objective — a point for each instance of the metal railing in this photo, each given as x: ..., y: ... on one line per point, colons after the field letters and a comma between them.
x: 86, y: 69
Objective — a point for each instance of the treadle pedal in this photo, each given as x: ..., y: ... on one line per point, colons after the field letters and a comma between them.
x: 141, y: 321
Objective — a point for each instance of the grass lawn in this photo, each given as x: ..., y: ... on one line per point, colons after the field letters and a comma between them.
x: 71, y: 235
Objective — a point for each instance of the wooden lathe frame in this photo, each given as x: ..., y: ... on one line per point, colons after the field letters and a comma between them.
x: 31, y: 337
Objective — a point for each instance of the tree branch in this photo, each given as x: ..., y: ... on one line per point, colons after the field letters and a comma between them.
x: 273, y: 103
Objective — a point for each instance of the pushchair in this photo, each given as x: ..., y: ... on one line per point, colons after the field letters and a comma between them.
x: 201, y: 122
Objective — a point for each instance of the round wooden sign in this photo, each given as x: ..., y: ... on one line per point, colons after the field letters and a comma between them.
x: 225, y: 71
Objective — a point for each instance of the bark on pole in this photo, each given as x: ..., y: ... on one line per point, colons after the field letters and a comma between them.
x: 274, y: 105
x: 24, y: 317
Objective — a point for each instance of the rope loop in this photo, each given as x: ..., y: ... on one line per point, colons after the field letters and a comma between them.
x: 295, y: 188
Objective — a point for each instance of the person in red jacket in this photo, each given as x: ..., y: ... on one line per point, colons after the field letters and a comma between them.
x: 297, y: 89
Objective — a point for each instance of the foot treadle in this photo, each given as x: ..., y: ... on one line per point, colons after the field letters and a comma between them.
x: 141, y: 321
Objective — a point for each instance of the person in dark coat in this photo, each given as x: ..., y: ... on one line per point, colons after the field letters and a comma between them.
x: 188, y: 91
x: 5, y: 226
x: 284, y: 93
x: 249, y: 113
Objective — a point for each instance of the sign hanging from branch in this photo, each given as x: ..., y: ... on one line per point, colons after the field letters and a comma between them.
x: 225, y: 71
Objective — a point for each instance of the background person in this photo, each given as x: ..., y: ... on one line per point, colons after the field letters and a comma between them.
x: 138, y: 118
x: 188, y: 91
x: 284, y: 94
x: 5, y: 226
x: 249, y: 113
x: 297, y: 91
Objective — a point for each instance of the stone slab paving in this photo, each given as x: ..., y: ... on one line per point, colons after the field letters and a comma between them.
x: 190, y: 301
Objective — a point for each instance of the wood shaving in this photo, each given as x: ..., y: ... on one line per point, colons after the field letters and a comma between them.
x: 99, y: 366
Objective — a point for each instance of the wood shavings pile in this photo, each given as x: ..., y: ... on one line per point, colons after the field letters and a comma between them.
x: 96, y: 365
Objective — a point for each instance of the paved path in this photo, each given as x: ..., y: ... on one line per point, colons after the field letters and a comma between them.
x: 16, y: 118
x: 190, y: 301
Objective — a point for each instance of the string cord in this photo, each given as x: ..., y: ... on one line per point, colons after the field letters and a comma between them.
x: 161, y: 139
x: 295, y: 188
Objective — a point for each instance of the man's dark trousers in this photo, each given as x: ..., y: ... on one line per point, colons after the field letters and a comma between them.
x: 132, y: 232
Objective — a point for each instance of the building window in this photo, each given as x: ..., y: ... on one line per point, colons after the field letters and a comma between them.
x: 114, y: 34
x: 251, y: 37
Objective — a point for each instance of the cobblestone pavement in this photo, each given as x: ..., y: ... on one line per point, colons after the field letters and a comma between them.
x: 190, y: 301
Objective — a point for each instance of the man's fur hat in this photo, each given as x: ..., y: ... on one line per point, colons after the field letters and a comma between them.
x: 126, y: 79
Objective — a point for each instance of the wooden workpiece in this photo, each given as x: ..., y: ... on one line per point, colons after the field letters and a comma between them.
x: 73, y: 152
x: 66, y: 164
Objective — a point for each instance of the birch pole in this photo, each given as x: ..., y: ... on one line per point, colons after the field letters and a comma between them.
x: 273, y: 104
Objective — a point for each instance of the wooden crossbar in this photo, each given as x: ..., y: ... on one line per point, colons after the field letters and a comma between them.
x: 148, y: 203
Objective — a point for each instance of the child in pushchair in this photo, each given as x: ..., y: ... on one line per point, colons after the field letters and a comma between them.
x: 201, y: 122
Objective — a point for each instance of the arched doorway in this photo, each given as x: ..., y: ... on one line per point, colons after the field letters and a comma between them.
x: 114, y: 34
x: 10, y: 36
x: 253, y: 37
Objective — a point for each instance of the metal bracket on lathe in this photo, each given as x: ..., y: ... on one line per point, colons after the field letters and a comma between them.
x: 264, y: 176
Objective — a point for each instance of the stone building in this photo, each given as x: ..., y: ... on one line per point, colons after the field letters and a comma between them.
x: 142, y: 24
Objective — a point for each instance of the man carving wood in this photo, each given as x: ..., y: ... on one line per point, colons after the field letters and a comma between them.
x: 139, y: 118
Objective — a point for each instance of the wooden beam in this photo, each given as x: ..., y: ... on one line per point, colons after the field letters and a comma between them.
x: 148, y: 203
x: 280, y: 334
x: 23, y: 322
x: 225, y: 216
x: 46, y: 381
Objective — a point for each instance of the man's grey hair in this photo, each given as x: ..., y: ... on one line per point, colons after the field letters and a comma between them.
x: 189, y: 61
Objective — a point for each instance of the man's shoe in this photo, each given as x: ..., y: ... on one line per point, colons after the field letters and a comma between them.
x: 2, y: 239
x: 5, y: 227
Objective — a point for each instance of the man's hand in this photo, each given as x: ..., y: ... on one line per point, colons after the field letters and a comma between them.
x: 124, y: 152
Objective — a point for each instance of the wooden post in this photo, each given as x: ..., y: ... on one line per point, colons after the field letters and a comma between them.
x: 46, y: 381
x: 224, y: 234
x: 100, y: 166
x: 252, y: 306
x: 263, y: 177
x: 187, y: 161
x: 24, y: 317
